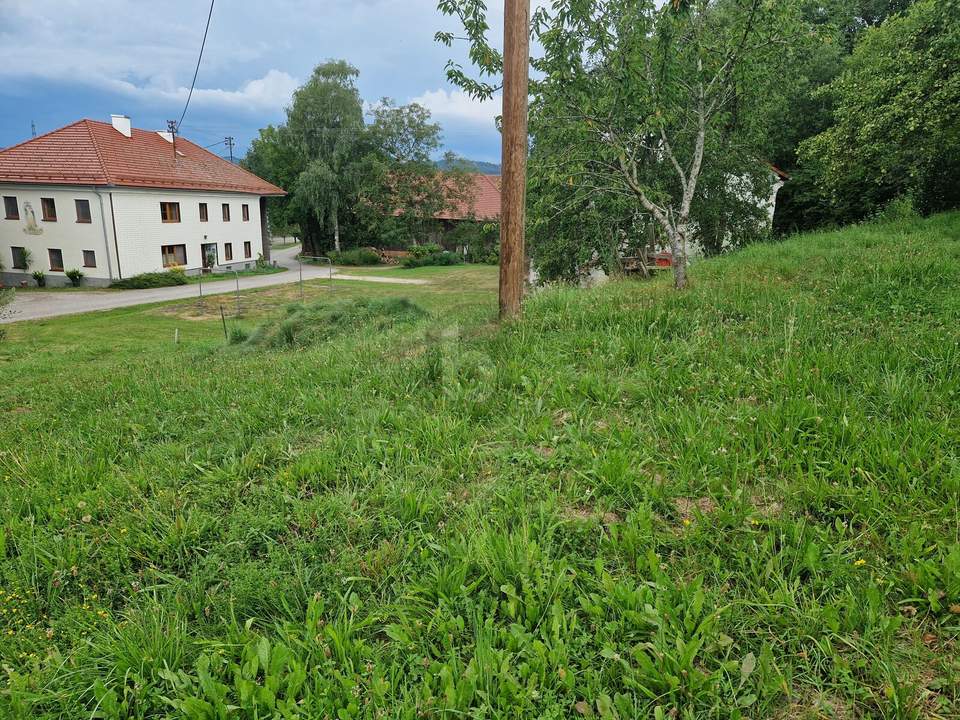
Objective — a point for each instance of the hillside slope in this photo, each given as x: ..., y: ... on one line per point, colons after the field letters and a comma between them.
x: 736, y: 501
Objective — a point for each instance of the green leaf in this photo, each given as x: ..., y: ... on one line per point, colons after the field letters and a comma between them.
x: 397, y: 633
x: 605, y: 707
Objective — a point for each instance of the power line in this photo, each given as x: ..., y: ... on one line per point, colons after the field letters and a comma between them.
x: 219, y: 142
x: 199, y: 58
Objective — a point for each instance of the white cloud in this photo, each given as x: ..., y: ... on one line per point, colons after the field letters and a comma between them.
x: 456, y: 105
x: 137, y: 57
x: 274, y: 90
x: 142, y: 54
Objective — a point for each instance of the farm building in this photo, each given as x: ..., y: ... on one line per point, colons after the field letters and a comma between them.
x: 481, y: 203
x: 114, y: 201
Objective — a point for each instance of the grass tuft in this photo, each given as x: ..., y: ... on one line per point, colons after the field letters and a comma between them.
x: 305, y: 325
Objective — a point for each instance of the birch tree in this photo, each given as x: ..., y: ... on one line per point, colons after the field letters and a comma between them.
x: 647, y: 95
x: 325, y: 121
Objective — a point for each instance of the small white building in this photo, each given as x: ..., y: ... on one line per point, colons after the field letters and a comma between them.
x: 114, y: 201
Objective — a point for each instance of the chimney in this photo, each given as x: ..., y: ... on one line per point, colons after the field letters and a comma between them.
x: 121, y: 123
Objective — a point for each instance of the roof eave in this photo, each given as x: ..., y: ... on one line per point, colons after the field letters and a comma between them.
x: 80, y: 182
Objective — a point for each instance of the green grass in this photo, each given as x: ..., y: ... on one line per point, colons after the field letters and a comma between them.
x: 736, y: 501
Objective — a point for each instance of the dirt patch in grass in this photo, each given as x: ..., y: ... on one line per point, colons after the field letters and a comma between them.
x: 584, y: 514
x: 562, y: 417
x: 814, y: 705
x: 766, y: 507
x: 687, y: 508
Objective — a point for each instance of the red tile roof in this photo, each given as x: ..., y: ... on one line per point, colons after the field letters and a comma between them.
x: 483, y: 202
x: 95, y: 153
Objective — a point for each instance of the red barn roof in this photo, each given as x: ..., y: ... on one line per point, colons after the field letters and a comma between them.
x: 95, y: 153
x: 482, y: 203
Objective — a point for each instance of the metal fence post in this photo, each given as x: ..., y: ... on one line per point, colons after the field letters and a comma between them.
x: 319, y: 258
x: 236, y: 276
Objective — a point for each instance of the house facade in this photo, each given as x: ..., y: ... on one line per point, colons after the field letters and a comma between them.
x: 114, y: 201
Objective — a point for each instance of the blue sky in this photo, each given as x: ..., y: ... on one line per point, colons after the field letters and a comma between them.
x: 62, y: 60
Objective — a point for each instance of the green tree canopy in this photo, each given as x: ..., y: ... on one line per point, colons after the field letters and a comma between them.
x: 410, y: 188
x: 806, y: 111
x: 347, y: 177
x: 896, y: 116
x: 634, y: 103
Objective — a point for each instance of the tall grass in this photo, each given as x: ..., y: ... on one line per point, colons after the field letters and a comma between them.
x: 737, y: 501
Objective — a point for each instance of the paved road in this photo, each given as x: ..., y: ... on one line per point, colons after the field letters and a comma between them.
x: 35, y: 305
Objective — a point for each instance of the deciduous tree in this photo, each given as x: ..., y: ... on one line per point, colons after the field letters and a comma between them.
x: 407, y: 186
x: 896, y: 116
x: 648, y: 96
x: 346, y: 176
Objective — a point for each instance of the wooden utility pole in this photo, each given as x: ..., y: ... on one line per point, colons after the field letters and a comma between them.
x: 516, y: 58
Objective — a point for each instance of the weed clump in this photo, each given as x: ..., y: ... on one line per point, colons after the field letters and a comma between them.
x: 306, y: 325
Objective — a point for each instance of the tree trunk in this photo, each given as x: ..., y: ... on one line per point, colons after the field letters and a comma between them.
x: 678, y: 249
x: 336, y: 231
x: 311, y: 237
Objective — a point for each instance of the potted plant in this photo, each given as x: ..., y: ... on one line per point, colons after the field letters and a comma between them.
x: 75, y: 276
x: 41, y: 279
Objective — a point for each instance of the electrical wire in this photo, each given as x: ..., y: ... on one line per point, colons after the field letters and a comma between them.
x: 199, y: 58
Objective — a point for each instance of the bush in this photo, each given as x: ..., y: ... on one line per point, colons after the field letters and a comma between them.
x: 357, y: 256
x: 483, y: 255
x: 481, y: 240
x: 425, y: 250
x: 306, y: 325
x: 438, y: 258
x: 152, y: 280
x: 75, y: 276
x: 899, y: 209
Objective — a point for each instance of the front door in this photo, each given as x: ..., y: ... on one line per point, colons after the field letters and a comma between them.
x: 209, y: 253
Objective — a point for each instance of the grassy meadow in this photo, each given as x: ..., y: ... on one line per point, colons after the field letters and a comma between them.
x: 739, y: 501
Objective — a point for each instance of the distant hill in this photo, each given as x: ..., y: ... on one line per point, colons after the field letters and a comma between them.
x: 479, y: 166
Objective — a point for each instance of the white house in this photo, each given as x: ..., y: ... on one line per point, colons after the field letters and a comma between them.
x: 114, y: 201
